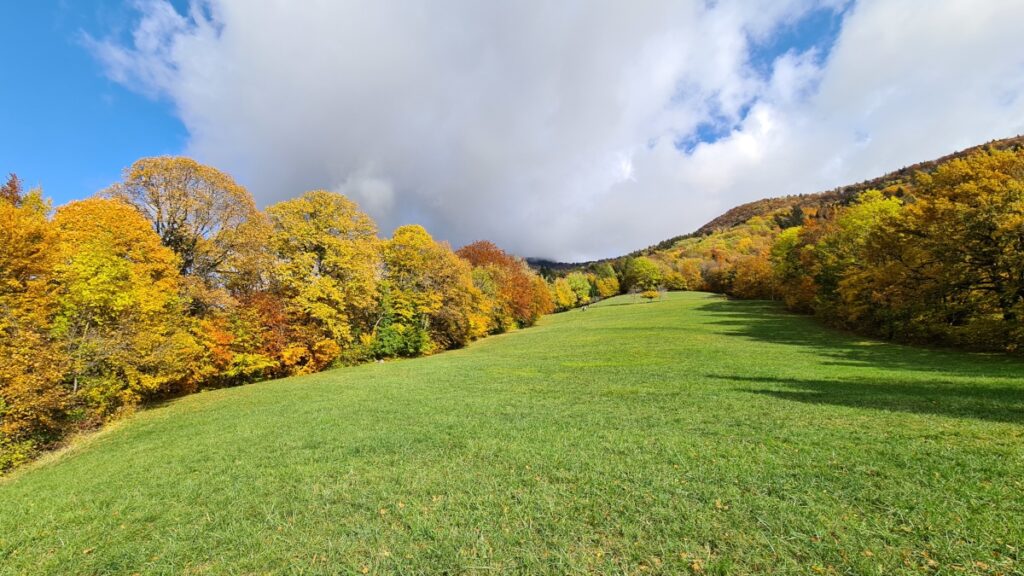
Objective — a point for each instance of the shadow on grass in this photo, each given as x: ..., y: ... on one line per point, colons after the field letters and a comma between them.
x: 769, y: 322
x: 943, y: 398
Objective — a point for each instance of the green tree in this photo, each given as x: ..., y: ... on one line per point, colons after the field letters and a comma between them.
x: 581, y: 286
x: 642, y: 274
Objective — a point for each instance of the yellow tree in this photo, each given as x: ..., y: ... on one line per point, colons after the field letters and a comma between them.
x: 607, y: 287
x: 203, y: 215
x: 495, y: 313
x: 119, y: 312
x: 563, y: 295
x: 542, y: 300
x: 606, y: 283
x: 969, y: 215
x: 33, y: 403
x: 691, y: 269
x: 326, y: 263
x: 580, y: 285
x: 753, y: 277
x: 951, y: 266
x: 839, y: 254
x: 427, y: 295
x: 792, y: 271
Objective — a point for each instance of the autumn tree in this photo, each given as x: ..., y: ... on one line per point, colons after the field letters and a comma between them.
x: 172, y: 281
x: 242, y: 343
x: 118, y: 311
x: 33, y: 404
x: 792, y: 266
x: 689, y: 270
x: 543, y: 303
x: 650, y: 295
x: 641, y: 274
x: 563, y: 295
x: 581, y: 286
x: 12, y: 191
x: 427, y: 296
x: 837, y: 250
x: 327, y: 256
x: 795, y: 217
x: 753, y: 277
x: 516, y: 290
x: 951, y: 266
x: 493, y: 315
x: 202, y: 214
x: 969, y: 215
x: 602, y: 270
x: 607, y: 287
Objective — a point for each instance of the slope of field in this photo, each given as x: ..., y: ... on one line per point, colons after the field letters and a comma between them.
x: 694, y: 434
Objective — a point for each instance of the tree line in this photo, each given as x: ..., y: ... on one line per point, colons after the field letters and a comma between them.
x: 936, y: 258
x: 172, y: 281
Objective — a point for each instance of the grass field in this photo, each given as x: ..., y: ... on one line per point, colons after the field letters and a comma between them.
x: 689, y: 435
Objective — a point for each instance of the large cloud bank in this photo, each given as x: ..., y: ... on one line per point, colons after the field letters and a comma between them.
x: 573, y: 129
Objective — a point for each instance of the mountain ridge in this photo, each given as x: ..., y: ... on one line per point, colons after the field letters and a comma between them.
x: 837, y: 196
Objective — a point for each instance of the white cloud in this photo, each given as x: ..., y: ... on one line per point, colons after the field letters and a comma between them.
x: 550, y: 127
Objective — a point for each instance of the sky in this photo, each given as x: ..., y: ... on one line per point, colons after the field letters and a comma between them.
x: 67, y: 127
x: 567, y: 130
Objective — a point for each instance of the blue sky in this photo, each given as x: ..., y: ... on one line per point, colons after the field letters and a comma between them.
x: 67, y: 127
x: 815, y: 30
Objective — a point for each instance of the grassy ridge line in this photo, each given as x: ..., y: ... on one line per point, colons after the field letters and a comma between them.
x: 691, y: 435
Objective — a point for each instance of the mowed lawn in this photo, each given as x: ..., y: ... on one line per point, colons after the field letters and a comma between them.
x: 694, y: 434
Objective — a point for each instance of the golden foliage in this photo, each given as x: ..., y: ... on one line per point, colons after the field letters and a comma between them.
x: 118, y: 311
x: 509, y: 281
x: 32, y: 403
x: 326, y: 262
x: 428, y: 298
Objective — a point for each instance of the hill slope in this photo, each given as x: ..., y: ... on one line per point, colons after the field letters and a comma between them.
x: 767, y: 206
x: 843, y: 194
x: 694, y: 434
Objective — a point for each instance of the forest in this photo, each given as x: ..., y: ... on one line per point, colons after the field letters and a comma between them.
x: 173, y: 281
x: 930, y: 255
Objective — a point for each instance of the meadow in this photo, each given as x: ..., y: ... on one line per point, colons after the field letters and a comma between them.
x: 690, y: 435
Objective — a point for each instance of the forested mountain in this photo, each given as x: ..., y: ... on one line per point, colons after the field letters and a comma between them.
x: 839, y: 196
x: 766, y: 206
x: 932, y: 252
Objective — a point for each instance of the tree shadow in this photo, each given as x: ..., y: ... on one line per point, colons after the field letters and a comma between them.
x: 770, y: 323
x: 943, y: 398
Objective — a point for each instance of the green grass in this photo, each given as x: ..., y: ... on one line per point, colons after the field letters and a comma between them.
x: 693, y: 434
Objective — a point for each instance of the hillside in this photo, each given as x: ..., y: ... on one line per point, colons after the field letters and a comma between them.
x: 691, y: 435
x: 767, y: 206
x: 843, y: 194
x: 928, y: 254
